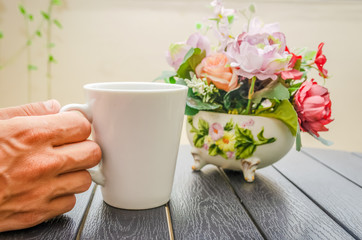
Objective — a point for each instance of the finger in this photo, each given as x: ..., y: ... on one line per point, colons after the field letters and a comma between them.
x: 61, y: 205
x: 55, y: 130
x: 78, y: 156
x: 70, y: 183
x: 32, y: 109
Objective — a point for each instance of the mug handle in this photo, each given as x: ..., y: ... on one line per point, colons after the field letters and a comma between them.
x: 95, y: 172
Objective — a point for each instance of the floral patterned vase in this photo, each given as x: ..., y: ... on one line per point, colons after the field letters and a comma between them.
x: 237, y: 142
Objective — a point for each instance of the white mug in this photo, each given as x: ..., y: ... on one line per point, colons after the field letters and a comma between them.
x: 138, y: 127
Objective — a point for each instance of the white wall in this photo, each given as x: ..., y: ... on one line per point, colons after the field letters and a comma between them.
x: 119, y: 40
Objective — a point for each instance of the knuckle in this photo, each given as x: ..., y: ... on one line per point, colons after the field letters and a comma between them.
x: 70, y: 203
x: 85, y: 181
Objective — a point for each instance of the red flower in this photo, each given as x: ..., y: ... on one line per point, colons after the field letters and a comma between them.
x: 292, y: 73
x: 313, y: 106
x: 320, y: 60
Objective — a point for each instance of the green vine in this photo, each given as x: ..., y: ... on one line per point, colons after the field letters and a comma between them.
x: 48, y: 20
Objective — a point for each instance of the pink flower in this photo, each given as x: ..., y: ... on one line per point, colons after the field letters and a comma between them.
x: 216, y: 131
x: 197, y: 40
x: 320, y: 60
x: 230, y: 154
x: 313, y: 106
x: 177, y: 51
x: 176, y: 54
x: 216, y: 70
x: 259, y: 52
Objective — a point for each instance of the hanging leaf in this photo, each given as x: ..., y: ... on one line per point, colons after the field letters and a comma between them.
x: 22, y: 10
x: 45, y: 15
x: 57, y: 23
x: 57, y: 2
x: 1, y: 35
x: 32, y: 67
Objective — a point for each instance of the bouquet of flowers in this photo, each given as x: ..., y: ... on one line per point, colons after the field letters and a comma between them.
x: 251, y: 73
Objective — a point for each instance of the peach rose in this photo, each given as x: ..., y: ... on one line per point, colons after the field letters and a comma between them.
x: 215, y: 68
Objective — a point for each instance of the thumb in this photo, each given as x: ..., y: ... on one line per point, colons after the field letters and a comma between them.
x: 32, y: 109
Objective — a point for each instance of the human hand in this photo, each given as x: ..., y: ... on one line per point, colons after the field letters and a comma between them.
x: 43, y: 157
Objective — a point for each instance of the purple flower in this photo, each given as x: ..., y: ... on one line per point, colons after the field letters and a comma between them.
x: 197, y: 40
x: 259, y: 52
x: 216, y: 131
x: 230, y: 154
x: 177, y: 51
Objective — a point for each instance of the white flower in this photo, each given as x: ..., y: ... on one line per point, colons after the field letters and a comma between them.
x: 201, y: 88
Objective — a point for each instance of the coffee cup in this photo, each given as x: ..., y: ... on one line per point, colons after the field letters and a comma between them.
x: 138, y: 127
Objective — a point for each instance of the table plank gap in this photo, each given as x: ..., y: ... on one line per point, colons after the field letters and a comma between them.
x: 320, y: 206
x: 86, y: 212
x: 106, y: 222
x: 358, y: 154
x: 203, y: 206
x: 282, y: 211
x: 169, y: 221
x: 345, y: 164
x: 337, y: 196
x: 261, y: 231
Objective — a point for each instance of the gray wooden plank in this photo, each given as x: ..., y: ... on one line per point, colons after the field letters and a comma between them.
x: 338, y: 196
x: 281, y: 210
x: 64, y: 226
x: 345, y: 163
x: 203, y: 206
x: 106, y: 222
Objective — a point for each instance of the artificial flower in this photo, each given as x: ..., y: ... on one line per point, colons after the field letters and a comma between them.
x: 227, y: 142
x: 313, y: 106
x: 216, y: 131
x: 216, y: 70
x: 320, y: 60
x: 176, y: 54
x: 259, y: 52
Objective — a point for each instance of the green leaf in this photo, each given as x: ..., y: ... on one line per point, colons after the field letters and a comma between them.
x: 32, y: 67
x: 274, y: 90
x: 203, y: 127
x: 233, y: 99
x: 229, y: 125
x: 283, y: 111
x: 38, y: 33
x: 298, y: 140
x: 30, y: 17
x: 52, y: 59
x: 189, y: 111
x: 252, y: 8
x: 29, y: 42
x: 1, y: 34
x: 213, y: 150
x: 45, y: 15
x: 51, y: 45
x: 192, y: 58
x: 22, y: 10
x: 165, y: 75
x: 199, y: 140
x: 309, y: 55
x: 57, y: 2
x: 262, y: 139
x: 231, y: 19
x: 57, y: 23
x: 198, y: 26
x: 198, y: 104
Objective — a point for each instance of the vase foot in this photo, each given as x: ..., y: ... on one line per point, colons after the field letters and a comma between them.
x: 248, y: 166
x: 199, y: 163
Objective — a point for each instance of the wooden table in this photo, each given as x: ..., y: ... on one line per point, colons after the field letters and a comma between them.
x: 313, y: 194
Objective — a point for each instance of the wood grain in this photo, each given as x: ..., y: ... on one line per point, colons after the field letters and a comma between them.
x: 203, y: 205
x: 336, y: 195
x: 281, y: 210
x: 106, y: 222
x: 62, y: 227
x: 345, y: 163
